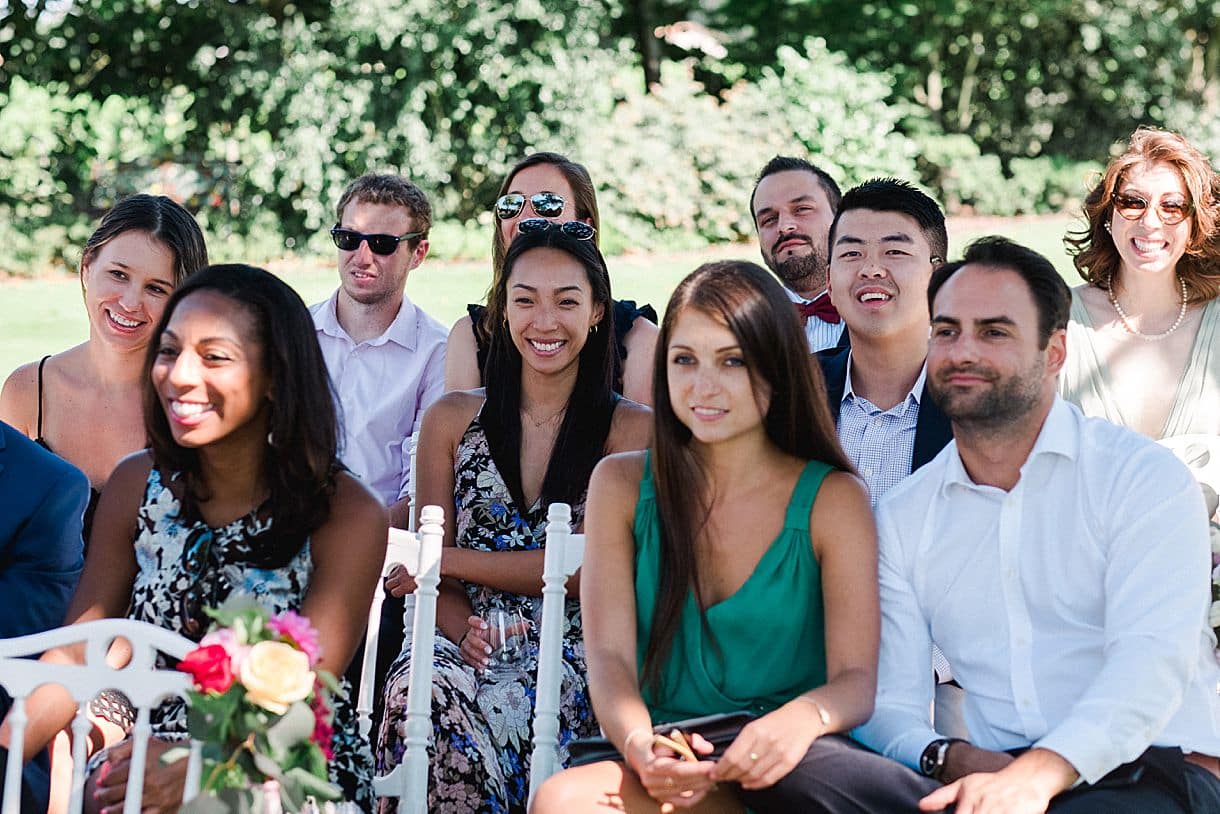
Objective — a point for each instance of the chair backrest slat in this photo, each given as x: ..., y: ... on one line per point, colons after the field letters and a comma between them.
x: 409, y: 780
x: 402, y: 548
x: 140, y: 680
x: 565, y: 552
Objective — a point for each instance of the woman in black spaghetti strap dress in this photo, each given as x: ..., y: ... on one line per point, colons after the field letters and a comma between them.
x: 84, y: 403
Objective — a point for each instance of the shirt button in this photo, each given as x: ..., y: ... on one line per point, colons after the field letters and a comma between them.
x: 876, y: 422
x: 867, y: 471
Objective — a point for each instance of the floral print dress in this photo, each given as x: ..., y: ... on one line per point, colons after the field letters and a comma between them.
x: 482, y: 724
x: 186, y: 567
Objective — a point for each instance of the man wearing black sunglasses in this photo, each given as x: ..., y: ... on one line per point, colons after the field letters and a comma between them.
x: 386, y: 357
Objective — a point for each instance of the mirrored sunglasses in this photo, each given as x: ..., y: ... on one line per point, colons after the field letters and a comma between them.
x: 576, y: 229
x: 544, y: 205
x: 349, y: 240
x: 1132, y: 207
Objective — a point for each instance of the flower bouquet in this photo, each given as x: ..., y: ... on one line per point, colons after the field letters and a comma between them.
x: 261, y: 710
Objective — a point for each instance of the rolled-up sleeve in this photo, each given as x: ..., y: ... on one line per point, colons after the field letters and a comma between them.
x: 901, y: 725
x: 1156, y: 604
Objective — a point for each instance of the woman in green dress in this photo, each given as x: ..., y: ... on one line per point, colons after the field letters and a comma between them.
x: 749, y: 546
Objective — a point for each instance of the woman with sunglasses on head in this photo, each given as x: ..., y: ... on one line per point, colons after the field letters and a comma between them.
x: 240, y: 496
x: 1144, y: 335
x: 85, y: 403
x: 551, y: 187
x: 497, y: 457
x: 748, y: 545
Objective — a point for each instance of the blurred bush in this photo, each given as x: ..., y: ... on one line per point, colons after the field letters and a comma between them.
x: 256, y: 115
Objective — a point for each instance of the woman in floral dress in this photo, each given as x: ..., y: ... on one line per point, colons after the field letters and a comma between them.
x: 240, y: 495
x: 497, y: 457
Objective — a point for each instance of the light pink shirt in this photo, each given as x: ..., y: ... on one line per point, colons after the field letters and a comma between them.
x: 383, y: 387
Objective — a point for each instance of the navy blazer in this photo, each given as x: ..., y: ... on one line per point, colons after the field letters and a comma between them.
x: 42, y: 503
x: 932, y: 429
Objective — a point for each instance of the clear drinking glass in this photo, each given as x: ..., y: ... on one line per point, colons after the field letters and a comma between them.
x: 508, y: 635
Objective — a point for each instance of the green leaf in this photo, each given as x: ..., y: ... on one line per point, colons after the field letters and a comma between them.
x: 213, y: 718
x: 328, y: 681
x: 299, y: 784
x: 295, y: 726
x: 267, y: 765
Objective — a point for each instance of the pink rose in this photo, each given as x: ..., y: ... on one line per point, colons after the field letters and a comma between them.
x: 210, y: 667
x: 226, y: 638
x: 295, y: 628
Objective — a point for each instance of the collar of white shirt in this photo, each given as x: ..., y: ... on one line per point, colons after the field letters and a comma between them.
x: 914, y: 395
x: 402, y: 331
x: 799, y: 300
x: 1060, y: 435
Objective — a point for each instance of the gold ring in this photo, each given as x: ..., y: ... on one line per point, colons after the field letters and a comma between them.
x: 754, y: 756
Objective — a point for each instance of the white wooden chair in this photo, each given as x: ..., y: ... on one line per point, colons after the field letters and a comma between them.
x: 421, y: 554
x: 140, y: 680
x: 412, y: 482
x: 565, y: 552
x: 401, y: 547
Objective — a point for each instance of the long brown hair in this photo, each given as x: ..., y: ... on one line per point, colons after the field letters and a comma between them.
x: 164, y: 220
x: 750, y: 303
x: 584, y: 206
x: 1092, y: 248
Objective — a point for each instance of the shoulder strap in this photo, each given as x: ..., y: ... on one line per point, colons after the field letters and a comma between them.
x: 804, y: 493
x: 41, y: 365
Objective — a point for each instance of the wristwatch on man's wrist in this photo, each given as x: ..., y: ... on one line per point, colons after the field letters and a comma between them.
x: 932, y: 761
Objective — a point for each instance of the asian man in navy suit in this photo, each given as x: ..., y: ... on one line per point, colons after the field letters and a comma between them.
x: 886, y: 239
x: 42, y: 503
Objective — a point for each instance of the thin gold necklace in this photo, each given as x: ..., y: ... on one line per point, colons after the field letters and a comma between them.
x: 1122, y: 315
x: 539, y: 422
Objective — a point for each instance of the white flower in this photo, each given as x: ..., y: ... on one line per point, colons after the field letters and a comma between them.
x: 276, y: 674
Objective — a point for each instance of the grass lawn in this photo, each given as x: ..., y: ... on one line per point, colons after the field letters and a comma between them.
x: 44, y: 316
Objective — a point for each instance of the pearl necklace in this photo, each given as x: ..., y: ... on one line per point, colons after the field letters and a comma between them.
x: 1122, y: 315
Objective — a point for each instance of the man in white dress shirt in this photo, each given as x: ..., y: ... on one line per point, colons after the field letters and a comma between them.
x: 793, y: 204
x: 1061, y: 563
x: 385, y: 356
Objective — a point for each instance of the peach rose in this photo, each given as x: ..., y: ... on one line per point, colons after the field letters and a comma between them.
x: 276, y: 674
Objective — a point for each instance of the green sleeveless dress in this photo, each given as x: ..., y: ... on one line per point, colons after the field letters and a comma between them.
x: 763, y: 645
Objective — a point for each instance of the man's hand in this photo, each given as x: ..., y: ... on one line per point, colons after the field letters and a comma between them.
x: 398, y: 582
x: 1025, y: 786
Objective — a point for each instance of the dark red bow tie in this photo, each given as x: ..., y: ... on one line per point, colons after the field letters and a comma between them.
x: 821, y: 308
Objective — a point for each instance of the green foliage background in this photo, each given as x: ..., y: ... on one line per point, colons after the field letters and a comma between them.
x: 256, y: 112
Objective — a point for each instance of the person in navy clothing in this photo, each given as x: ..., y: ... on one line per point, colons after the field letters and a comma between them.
x: 885, y: 240
x: 42, y: 504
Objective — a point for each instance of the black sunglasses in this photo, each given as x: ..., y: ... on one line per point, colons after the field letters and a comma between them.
x: 1132, y: 207
x: 544, y: 204
x: 196, y: 554
x: 577, y: 229
x: 349, y: 240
